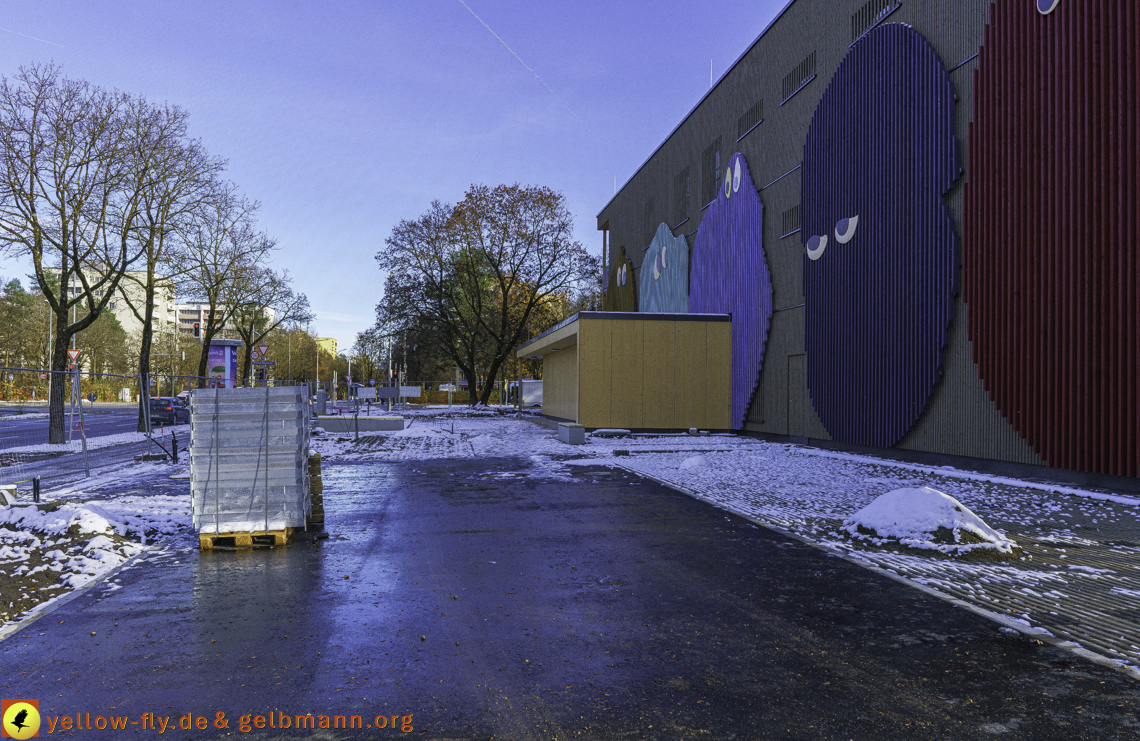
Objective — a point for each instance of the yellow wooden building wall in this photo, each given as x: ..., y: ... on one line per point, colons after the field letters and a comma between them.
x: 651, y: 374
x: 560, y: 383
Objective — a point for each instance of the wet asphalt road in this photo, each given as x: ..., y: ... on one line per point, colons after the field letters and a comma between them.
x: 492, y: 605
x: 17, y: 432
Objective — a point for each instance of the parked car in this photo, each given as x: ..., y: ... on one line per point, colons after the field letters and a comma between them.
x: 168, y: 410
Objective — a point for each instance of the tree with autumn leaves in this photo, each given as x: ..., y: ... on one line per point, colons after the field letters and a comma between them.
x: 471, y: 280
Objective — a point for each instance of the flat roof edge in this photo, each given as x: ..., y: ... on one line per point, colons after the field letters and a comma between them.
x: 644, y: 316
x: 693, y: 110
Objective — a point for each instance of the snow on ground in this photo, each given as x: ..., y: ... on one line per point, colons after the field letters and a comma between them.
x: 81, y: 532
x: 1075, y: 580
x: 1076, y: 576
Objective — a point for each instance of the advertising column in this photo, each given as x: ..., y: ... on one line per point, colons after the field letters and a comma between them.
x: 222, y: 365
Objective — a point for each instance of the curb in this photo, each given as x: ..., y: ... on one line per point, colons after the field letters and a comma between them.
x: 46, y: 608
x: 1003, y: 620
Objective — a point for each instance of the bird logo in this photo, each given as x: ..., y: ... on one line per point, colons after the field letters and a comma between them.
x: 21, y: 718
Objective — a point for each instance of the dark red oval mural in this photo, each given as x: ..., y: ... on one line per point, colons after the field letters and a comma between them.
x: 1051, y: 224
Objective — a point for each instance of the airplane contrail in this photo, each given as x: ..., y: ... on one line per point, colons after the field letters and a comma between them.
x: 33, y: 38
x: 536, y: 75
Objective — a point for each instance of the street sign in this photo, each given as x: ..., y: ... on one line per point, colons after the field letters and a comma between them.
x: 254, y: 354
x: 73, y: 354
x: 264, y: 349
x: 265, y: 362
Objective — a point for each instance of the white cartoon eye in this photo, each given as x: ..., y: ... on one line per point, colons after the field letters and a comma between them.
x: 621, y: 275
x: 727, y: 182
x: 736, y: 177
x: 664, y: 256
x: 1045, y: 7
x: 845, y: 229
x: 656, y: 267
x: 816, y: 246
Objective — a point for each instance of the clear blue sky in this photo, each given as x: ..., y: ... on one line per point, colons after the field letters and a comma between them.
x: 343, y: 117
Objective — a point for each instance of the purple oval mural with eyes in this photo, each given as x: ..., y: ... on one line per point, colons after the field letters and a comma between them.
x: 730, y: 276
x: 879, y: 263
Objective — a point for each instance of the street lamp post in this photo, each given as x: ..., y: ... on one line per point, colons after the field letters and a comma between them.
x: 48, y: 363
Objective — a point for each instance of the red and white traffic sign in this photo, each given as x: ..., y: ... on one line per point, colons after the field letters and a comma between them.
x: 73, y: 354
x: 263, y: 349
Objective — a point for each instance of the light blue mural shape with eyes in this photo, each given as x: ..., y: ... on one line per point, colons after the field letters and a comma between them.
x: 664, y: 280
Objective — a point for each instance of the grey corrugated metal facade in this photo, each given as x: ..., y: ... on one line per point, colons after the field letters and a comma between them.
x: 812, y: 37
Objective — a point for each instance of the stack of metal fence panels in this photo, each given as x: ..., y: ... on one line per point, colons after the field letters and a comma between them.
x: 249, y: 452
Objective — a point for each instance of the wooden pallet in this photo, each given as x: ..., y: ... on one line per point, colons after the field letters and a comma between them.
x: 207, y: 541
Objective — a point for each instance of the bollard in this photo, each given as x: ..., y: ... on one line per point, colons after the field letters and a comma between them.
x: 36, y: 489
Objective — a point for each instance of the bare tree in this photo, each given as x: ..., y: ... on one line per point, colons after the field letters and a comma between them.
x: 219, y: 266
x: 75, y: 161
x: 184, y: 179
x: 479, y: 271
x: 270, y: 303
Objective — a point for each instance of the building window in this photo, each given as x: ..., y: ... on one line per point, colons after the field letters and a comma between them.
x: 867, y: 16
x: 790, y: 221
x: 800, y: 76
x: 750, y: 120
x: 710, y: 172
x: 681, y: 197
x: 112, y: 306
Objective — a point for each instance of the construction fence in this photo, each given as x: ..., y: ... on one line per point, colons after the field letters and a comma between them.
x: 103, y: 423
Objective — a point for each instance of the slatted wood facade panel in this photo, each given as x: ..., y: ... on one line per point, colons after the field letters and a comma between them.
x: 651, y: 371
x: 1052, y: 225
x: 880, y: 257
x: 730, y: 276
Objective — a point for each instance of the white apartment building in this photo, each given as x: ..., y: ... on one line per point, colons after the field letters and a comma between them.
x: 188, y: 314
x: 169, y: 316
x: 132, y: 285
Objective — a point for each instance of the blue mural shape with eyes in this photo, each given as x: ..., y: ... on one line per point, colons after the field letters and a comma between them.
x: 730, y: 276
x: 664, y: 279
x: 879, y: 264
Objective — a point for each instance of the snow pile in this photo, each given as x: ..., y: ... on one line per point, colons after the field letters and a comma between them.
x: 49, y: 549
x: 697, y: 461
x: 927, y: 519
x: 129, y: 516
